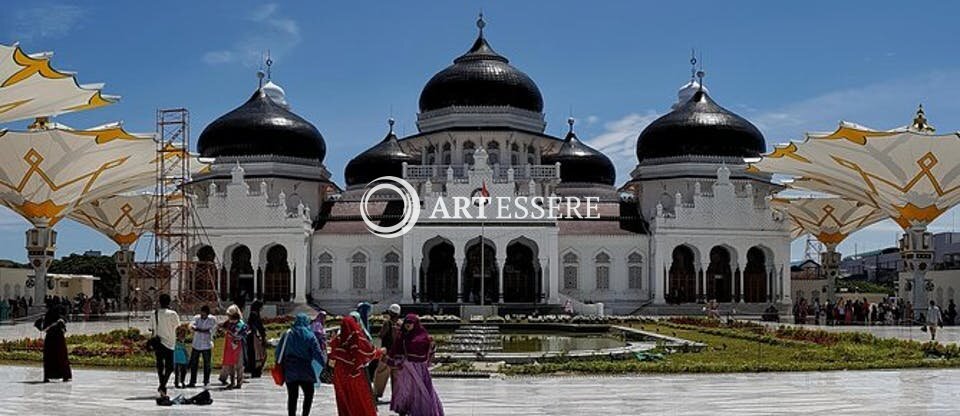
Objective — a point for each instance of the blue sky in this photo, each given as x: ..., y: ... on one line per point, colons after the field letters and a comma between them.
x: 789, y: 67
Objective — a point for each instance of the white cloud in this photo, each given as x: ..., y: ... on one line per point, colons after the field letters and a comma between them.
x: 218, y: 57
x: 881, y: 105
x: 11, y: 221
x: 270, y: 31
x: 619, y: 140
x: 45, y: 21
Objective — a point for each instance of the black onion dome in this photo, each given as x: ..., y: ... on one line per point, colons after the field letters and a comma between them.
x: 580, y: 163
x: 700, y: 127
x: 481, y: 77
x: 261, y: 127
x: 383, y: 159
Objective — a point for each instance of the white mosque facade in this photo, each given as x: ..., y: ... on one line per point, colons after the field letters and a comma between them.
x: 692, y: 224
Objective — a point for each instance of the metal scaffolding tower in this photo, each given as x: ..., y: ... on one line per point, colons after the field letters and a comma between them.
x: 173, y: 267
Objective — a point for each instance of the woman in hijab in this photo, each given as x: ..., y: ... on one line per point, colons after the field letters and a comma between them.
x: 364, y: 308
x: 319, y: 328
x: 300, y: 353
x: 56, y: 363
x: 255, y: 353
x: 236, y: 332
x: 410, y: 355
x: 350, y: 352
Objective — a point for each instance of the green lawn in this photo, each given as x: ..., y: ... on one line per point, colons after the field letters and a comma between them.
x: 753, y: 348
x: 741, y: 347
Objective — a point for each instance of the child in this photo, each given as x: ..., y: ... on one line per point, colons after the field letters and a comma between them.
x: 180, y: 359
x: 236, y: 331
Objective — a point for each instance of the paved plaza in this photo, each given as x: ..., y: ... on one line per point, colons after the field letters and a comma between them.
x: 905, y: 392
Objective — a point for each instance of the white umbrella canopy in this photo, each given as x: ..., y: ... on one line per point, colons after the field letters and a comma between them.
x: 122, y: 218
x: 909, y: 173
x: 30, y: 88
x: 829, y: 219
x: 44, y: 174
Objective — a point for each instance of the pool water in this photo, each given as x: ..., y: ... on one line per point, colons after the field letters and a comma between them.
x: 543, y: 342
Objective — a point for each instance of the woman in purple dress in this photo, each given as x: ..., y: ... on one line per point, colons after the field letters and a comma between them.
x: 413, y: 393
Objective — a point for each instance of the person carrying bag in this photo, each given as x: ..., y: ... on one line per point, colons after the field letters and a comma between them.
x: 277, y: 371
x: 298, y: 352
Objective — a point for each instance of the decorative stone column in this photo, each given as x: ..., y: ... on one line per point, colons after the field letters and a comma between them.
x: 41, y: 242
x: 706, y: 294
x: 501, y: 263
x: 830, y: 261
x: 916, y: 250
x: 124, y: 261
x: 458, y: 259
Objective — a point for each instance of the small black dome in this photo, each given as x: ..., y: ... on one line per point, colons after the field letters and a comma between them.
x: 700, y: 127
x: 481, y: 77
x: 261, y: 127
x: 383, y: 159
x: 580, y: 163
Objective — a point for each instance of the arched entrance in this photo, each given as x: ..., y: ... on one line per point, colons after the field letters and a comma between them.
x: 473, y: 273
x: 521, y: 274
x: 683, y: 276
x: 440, y: 283
x: 276, y: 280
x: 720, y: 275
x: 755, y: 276
x: 205, y: 272
x: 241, y: 274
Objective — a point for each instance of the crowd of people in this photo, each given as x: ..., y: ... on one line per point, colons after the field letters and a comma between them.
x: 850, y: 311
x: 14, y: 308
x: 305, y: 357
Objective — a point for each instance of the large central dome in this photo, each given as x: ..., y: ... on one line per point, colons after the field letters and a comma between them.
x: 700, y: 127
x: 481, y: 77
x: 262, y: 127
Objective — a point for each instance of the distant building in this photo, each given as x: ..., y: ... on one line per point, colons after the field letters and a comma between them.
x: 874, y: 266
x: 92, y: 253
x: 65, y: 285
x: 806, y: 281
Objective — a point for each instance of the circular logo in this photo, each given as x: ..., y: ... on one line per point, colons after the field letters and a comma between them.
x: 411, y: 206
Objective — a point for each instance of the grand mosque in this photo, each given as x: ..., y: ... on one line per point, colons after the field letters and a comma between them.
x: 691, y: 224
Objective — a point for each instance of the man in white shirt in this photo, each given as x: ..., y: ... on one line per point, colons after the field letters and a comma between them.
x: 204, y: 326
x: 933, y: 319
x: 164, y: 325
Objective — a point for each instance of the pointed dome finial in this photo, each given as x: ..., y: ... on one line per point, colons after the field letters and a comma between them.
x: 571, y: 121
x: 920, y: 122
x: 693, y: 64
x: 481, y: 23
x: 269, y: 63
x: 391, y: 122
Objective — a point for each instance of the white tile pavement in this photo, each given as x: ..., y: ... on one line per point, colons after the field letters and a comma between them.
x: 904, y: 392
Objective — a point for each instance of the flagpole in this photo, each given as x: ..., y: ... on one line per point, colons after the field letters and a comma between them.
x: 483, y: 277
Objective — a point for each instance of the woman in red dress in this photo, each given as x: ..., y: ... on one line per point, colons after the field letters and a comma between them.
x: 350, y: 352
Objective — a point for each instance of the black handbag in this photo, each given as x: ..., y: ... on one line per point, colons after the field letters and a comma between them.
x: 326, y: 375
x: 154, y: 343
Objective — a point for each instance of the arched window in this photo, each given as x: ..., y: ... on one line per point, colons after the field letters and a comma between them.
x: 514, y: 154
x: 635, y: 270
x: 446, y: 154
x: 431, y: 155
x: 531, y: 155
x: 391, y: 271
x: 358, y: 269
x: 325, y: 270
x: 571, y: 267
x: 603, y: 271
x: 468, y: 149
x: 493, y: 153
